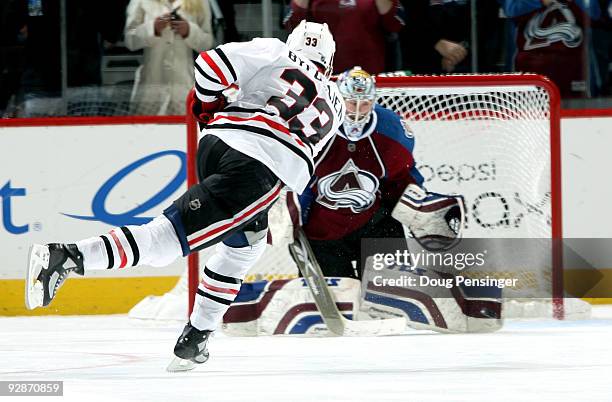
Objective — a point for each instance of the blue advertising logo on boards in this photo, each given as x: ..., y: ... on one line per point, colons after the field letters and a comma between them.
x: 131, y: 217
x: 6, y: 193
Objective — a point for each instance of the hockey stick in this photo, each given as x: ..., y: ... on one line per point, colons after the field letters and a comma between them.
x: 311, y: 271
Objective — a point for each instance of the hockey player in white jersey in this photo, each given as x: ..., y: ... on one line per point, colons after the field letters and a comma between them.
x: 267, y: 137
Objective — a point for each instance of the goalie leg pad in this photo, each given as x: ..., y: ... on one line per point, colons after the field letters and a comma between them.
x: 286, y: 307
x: 439, y: 308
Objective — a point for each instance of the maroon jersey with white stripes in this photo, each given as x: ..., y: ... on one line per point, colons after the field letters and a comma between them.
x: 284, y: 108
x: 552, y: 41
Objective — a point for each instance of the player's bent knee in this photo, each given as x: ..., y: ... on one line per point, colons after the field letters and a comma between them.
x: 236, y: 261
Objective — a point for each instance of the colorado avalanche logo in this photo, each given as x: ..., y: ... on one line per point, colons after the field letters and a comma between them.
x: 349, y: 188
x: 555, y: 24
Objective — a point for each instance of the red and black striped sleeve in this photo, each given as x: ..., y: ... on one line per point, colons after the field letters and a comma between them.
x: 214, y: 73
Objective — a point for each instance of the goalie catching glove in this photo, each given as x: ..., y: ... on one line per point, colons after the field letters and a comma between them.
x: 436, y: 221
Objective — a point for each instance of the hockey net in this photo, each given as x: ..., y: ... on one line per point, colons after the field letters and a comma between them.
x: 495, y: 139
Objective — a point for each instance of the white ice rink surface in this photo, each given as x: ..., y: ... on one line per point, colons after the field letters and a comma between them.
x: 114, y: 358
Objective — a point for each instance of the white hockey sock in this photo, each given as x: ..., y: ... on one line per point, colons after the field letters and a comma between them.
x: 154, y: 244
x: 221, y: 282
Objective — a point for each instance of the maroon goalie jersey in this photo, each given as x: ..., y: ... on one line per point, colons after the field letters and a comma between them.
x: 355, y: 180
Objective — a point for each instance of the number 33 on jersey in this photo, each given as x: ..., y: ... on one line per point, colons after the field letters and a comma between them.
x: 286, y: 109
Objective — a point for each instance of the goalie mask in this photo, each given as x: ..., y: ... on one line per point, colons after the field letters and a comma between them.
x: 315, y: 42
x: 359, y: 91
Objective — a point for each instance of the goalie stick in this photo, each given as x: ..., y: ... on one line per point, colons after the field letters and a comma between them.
x: 337, y: 324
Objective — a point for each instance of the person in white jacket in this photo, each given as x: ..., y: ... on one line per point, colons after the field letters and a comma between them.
x: 168, y: 31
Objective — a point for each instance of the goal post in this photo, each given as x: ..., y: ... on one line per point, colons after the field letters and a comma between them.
x: 193, y: 259
x: 512, y: 120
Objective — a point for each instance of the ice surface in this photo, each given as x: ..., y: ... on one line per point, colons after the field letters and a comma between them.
x: 116, y: 358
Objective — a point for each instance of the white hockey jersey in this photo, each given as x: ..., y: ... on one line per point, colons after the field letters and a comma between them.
x: 285, y: 110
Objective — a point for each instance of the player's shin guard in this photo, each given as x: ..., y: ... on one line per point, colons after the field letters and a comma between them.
x: 221, y: 281
x: 155, y: 244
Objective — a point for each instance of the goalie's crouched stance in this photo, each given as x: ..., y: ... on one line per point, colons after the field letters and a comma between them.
x: 428, y: 299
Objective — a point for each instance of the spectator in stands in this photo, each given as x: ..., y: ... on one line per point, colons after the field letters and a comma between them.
x: 602, y: 48
x: 88, y: 24
x: 114, y: 24
x: 359, y: 28
x: 437, y: 36
x: 552, y: 39
x: 13, y: 34
x: 491, y: 36
x: 229, y: 16
x: 169, y: 32
x: 42, y: 75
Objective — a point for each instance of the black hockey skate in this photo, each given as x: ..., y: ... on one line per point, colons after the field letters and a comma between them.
x: 191, y: 349
x: 48, y: 268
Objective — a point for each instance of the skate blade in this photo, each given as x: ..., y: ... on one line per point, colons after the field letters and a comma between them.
x: 38, y: 259
x: 177, y: 365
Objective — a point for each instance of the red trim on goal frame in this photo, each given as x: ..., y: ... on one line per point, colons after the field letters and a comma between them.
x: 585, y: 113
x: 193, y: 259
